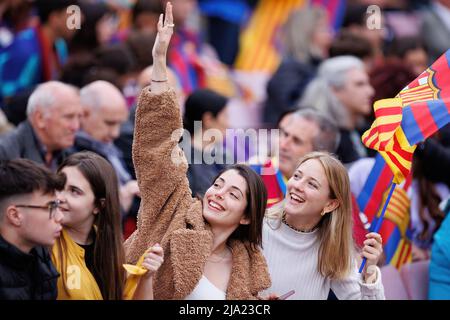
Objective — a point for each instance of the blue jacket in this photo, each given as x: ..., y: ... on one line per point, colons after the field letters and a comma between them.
x: 440, y: 261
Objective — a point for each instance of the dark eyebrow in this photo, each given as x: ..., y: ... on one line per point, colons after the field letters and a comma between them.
x: 234, y: 187
x: 75, y: 187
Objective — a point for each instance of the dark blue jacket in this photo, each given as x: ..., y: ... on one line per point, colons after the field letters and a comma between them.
x: 286, y: 87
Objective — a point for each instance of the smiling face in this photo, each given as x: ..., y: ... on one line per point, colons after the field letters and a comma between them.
x: 308, y: 191
x: 77, y: 199
x: 225, y: 201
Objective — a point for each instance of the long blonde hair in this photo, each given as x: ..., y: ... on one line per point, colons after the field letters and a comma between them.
x: 336, y: 251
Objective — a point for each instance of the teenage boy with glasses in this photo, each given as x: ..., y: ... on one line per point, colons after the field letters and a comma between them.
x: 29, y: 223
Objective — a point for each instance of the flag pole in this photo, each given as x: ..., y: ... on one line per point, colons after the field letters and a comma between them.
x: 380, y: 220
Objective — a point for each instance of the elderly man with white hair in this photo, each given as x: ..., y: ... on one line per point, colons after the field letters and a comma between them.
x: 105, y: 110
x: 53, y: 117
x: 342, y: 90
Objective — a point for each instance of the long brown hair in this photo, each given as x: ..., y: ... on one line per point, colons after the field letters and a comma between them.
x: 108, y: 249
x: 256, y: 206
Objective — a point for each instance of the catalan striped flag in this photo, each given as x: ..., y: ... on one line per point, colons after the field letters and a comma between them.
x: 387, y: 136
x: 259, y: 43
x: 395, y: 228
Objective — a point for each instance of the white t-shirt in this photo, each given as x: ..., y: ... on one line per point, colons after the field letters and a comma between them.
x: 206, y: 290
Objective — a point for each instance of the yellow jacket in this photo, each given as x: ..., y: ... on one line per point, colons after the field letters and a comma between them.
x: 80, y: 282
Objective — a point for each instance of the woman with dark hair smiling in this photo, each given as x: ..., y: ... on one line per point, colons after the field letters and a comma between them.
x: 211, y: 246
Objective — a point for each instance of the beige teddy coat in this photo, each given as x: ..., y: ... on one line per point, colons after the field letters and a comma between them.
x: 170, y: 216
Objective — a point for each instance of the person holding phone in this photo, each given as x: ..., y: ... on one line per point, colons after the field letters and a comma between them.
x: 307, y: 239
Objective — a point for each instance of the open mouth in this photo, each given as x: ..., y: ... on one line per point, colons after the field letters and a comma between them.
x: 296, y: 198
x: 215, y: 206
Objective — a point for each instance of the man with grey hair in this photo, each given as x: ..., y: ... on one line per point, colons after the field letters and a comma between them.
x: 301, y: 131
x: 53, y: 118
x: 343, y: 92
x: 105, y: 110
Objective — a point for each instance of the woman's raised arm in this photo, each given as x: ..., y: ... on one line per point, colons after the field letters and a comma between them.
x: 160, y: 164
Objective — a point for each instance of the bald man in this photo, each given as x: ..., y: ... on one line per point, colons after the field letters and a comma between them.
x: 104, y: 112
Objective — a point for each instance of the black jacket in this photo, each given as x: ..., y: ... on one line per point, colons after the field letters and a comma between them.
x: 347, y: 151
x: 26, y: 276
x: 436, y: 160
x: 201, y: 175
x: 286, y: 87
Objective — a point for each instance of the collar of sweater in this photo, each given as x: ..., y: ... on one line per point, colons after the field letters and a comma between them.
x: 289, y: 233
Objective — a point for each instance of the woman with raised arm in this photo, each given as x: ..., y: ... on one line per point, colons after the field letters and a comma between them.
x: 210, y: 246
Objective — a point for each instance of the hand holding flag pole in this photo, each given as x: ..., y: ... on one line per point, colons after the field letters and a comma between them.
x: 380, y: 220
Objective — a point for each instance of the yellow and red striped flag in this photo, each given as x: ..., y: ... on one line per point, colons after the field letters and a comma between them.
x: 258, y: 48
x: 387, y: 137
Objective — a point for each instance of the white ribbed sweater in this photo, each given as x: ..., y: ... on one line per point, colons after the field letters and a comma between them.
x: 292, y: 258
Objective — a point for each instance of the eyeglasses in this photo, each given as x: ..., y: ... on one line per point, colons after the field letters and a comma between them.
x: 51, y: 207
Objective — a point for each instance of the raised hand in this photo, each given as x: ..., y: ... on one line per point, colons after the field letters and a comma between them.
x: 159, y: 81
x: 165, y: 31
